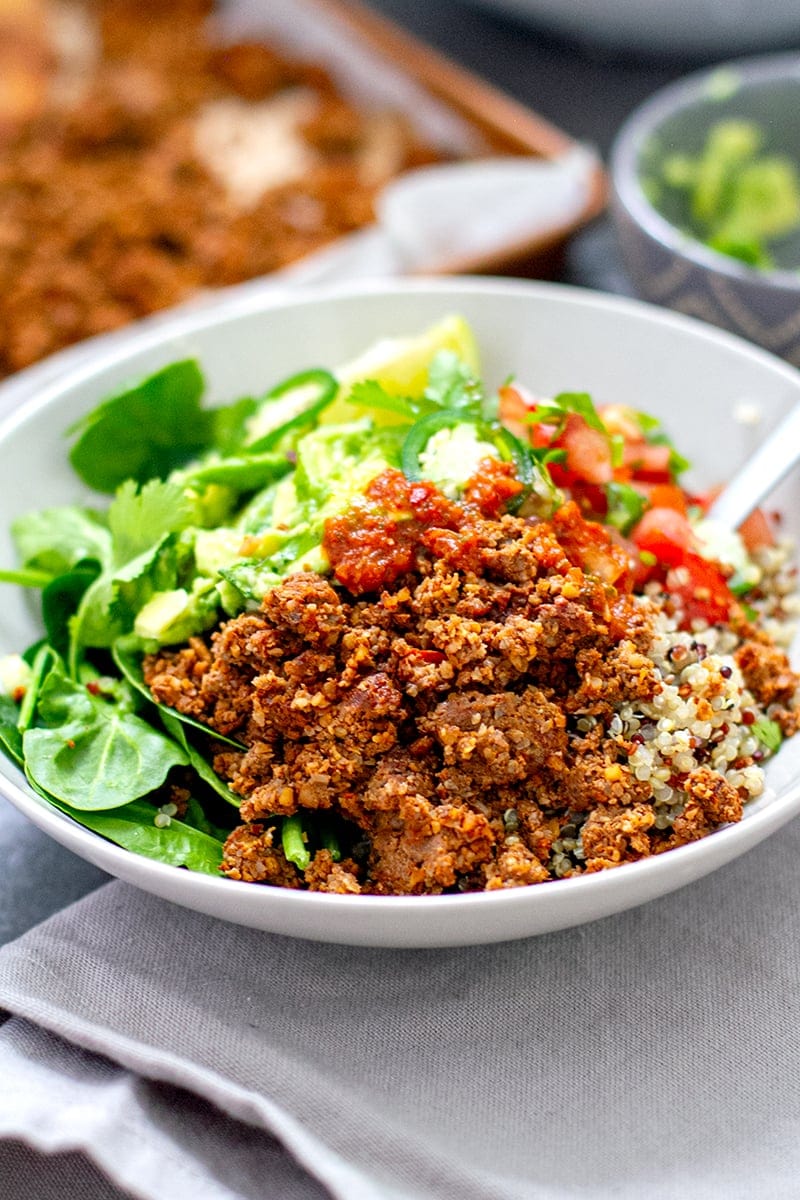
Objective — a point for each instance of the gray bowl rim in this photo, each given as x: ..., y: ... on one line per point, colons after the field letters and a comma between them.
x: 646, y: 120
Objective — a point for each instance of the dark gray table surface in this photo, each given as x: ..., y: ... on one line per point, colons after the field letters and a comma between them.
x: 586, y: 92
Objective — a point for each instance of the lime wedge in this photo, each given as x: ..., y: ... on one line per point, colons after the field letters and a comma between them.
x: 401, y: 365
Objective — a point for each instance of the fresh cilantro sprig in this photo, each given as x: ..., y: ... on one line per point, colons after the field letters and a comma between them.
x: 555, y: 411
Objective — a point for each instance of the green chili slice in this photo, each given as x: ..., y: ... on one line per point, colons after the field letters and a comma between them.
x: 328, y: 387
x: 421, y: 433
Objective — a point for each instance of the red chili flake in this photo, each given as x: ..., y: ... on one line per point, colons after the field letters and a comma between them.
x: 93, y: 687
x: 748, y: 717
x: 71, y: 743
x: 18, y: 695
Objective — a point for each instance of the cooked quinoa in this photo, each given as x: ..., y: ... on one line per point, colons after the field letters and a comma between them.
x: 491, y: 712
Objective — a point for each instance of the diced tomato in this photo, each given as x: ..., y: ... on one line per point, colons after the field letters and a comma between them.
x: 664, y: 533
x: 756, y: 531
x: 648, y: 462
x: 590, y: 498
x: 701, y: 588
x: 588, y: 451
x: 663, y: 495
x: 515, y: 404
x: 591, y: 547
x: 542, y: 435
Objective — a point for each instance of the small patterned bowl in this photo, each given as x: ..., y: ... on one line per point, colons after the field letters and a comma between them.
x: 665, y: 264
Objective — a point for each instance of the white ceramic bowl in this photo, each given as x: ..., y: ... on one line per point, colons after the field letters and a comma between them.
x: 555, y: 339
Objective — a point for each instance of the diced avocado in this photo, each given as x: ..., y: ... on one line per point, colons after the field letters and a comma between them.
x: 284, y: 506
x: 452, y: 455
x: 268, y: 542
x: 213, y: 503
x: 251, y: 579
x: 173, y: 616
x: 160, y: 611
x: 216, y: 548
x: 283, y: 529
x: 335, y: 463
x: 314, y: 559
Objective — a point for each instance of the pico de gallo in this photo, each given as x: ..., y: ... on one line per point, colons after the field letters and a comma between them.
x: 622, y: 470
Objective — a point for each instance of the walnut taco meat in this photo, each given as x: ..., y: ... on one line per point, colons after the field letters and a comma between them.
x: 493, y: 715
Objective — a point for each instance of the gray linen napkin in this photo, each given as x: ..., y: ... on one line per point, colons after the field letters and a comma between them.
x: 656, y: 1053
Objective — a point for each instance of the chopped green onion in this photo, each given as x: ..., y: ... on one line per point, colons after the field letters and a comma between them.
x: 293, y: 839
x: 328, y: 388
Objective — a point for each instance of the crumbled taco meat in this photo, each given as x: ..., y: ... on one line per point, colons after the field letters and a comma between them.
x: 460, y: 717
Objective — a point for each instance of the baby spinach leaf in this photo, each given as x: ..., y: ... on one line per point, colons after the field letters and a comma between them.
x: 145, y: 431
x: 10, y: 736
x: 192, y: 843
x: 92, y: 624
x: 177, y: 843
x: 127, y: 654
x: 61, y: 600
x: 195, y: 816
x: 57, y: 539
x: 91, y: 753
x: 203, y: 768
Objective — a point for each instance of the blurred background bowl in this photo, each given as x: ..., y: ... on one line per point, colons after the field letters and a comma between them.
x: 655, y: 27
x: 665, y: 264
